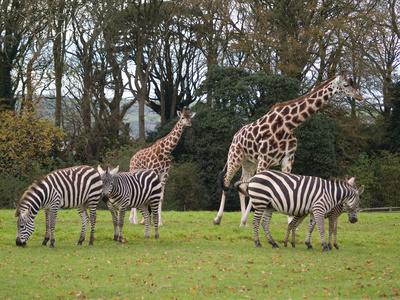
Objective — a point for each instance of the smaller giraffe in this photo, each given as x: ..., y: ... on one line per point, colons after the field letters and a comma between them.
x: 270, y: 140
x: 156, y: 157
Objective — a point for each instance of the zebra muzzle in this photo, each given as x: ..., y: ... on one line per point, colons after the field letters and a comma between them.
x: 353, y: 219
x: 105, y: 198
x: 19, y: 243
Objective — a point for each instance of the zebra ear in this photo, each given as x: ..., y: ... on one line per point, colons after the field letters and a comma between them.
x: 100, y: 170
x: 26, y: 213
x: 114, y: 171
x: 351, y: 180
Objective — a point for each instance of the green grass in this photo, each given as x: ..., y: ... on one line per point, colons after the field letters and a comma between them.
x: 193, y: 259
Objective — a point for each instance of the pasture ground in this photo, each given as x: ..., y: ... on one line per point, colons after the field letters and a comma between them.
x: 193, y: 259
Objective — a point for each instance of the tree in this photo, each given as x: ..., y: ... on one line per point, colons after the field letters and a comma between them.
x: 11, y: 34
x: 315, y: 154
x: 392, y: 130
x: 247, y: 94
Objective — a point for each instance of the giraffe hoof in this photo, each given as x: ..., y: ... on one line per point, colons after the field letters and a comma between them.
x: 216, y: 221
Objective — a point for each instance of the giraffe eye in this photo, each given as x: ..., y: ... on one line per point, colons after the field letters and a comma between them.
x: 346, y: 85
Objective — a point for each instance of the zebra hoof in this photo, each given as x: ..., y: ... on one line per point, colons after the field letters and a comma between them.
x: 326, y: 249
x: 79, y: 243
x: 293, y: 245
x: 51, y: 246
x: 44, y: 243
x: 90, y: 243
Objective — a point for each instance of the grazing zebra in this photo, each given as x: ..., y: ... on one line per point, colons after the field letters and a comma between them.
x: 139, y: 188
x: 297, y: 195
x: 332, y: 216
x: 79, y: 187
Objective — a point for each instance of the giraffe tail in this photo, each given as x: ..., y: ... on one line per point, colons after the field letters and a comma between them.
x: 241, y: 189
x: 221, y: 181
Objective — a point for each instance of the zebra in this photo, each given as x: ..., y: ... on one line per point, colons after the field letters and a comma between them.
x: 76, y: 187
x: 298, y: 195
x: 123, y: 190
x: 332, y: 216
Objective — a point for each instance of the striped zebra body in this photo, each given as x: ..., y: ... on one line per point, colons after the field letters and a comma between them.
x: 332, y: 216
x: 126, y: 190
x: 76, y: 187
x: 297, y: 195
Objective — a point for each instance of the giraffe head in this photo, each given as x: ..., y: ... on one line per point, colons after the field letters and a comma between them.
x: 345, y: 87
x: 186, y: 116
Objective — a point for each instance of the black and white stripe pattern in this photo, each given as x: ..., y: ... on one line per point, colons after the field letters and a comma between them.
x: 297, y: 195
x: 332, y: 216
x: 79, y: 187
x: 125, y: 190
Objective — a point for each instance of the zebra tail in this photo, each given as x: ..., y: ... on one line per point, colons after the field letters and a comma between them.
x: 241, y: 189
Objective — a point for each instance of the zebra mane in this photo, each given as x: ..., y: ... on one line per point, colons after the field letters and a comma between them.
x: 23, y: 199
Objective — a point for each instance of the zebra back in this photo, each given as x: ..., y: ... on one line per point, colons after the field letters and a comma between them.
x: 136, y: 188
x: 65, y: 188
x: 297, y: 195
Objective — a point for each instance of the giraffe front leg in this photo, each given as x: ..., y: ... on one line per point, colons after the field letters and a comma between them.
x: 133, y: 219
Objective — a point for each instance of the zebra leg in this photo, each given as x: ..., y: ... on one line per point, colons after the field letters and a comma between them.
x: 85, y: 221
x: 292, y: 227
x: 319, y: 219
x: 121, y: 218
x: 256, y: 223
x: 47, y: 234
x: 145, y: 212
x: 265, y: 224
x: 155, y: 220
x: 53, y: 217
x: 311, y: 226
x: 334, y: 232
x: 114, y: 216
x: 92, y: 212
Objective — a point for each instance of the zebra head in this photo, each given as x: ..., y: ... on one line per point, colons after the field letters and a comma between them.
x: 107, y: 178
x: 25, y: 226
x: 353, y: 202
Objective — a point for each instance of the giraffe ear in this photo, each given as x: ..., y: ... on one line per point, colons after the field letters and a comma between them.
x: 192, y: 115
x: 179, y: 113
x: 344, y: 74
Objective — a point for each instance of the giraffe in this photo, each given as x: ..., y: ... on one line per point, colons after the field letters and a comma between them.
x: 270, y: 140
x: 156, y: 157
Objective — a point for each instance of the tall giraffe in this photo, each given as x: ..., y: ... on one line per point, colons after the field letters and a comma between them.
x: 270, y: 140
x: 156, y: 157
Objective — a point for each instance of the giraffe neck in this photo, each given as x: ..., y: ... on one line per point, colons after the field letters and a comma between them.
x: 171, y: 140
x: 295, y: 112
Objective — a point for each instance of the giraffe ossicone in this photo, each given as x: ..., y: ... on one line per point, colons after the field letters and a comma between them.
x: 270, y: 140
x: 156, y: 157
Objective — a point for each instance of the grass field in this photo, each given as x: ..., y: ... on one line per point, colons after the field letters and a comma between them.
x: 193, y: 259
